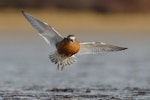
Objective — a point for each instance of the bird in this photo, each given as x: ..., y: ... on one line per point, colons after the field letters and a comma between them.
x: 67, y: 48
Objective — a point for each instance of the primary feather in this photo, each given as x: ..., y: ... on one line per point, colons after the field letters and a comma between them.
x: 50, y: 35
x: 97, y: 47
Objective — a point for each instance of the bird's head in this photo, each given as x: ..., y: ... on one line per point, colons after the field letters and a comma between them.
x: 71, y: 38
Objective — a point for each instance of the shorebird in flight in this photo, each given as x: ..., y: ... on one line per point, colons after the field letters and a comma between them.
x: 67, y: 47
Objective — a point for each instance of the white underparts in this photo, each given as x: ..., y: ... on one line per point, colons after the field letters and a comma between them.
x: 61, y: 60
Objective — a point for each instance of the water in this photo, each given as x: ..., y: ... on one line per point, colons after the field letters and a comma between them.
x: 24, y: 65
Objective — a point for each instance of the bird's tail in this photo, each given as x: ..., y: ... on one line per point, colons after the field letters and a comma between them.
x: 61, y: 60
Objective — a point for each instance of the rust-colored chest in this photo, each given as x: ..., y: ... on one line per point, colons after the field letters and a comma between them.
x: 67, y: 48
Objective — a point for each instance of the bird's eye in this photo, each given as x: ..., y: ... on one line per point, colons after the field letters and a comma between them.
x: 71, y: 40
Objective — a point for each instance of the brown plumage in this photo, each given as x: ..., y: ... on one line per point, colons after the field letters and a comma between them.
x: 67, y: 47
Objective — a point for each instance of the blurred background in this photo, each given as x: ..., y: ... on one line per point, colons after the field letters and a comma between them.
x: 24, y: 54
x: 101, y: 6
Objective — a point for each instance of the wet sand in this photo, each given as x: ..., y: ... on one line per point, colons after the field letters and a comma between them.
x: 98, y: 93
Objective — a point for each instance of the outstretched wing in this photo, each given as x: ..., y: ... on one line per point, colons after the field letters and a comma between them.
x: 50, y: 35
x: 97, y: 47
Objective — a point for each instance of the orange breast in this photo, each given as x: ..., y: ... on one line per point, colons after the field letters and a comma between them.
x: 68, y: 48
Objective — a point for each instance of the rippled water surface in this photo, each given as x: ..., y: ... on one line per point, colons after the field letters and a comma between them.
x: 24, y: 64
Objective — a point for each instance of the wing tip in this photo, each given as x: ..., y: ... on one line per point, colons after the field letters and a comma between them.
x: 124, y: 48
x: 23, y: 12
x: 121, y: 48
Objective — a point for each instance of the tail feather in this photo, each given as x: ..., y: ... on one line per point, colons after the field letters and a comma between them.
x: 61, y: 60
